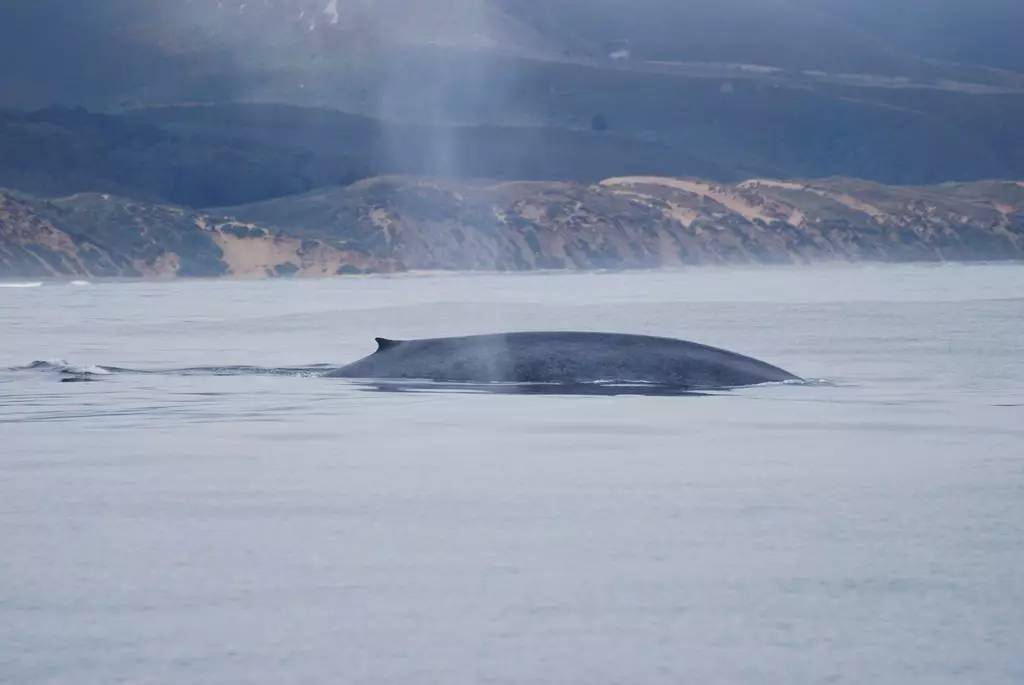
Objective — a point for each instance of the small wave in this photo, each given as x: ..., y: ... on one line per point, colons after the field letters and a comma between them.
x: 90, y: 370
x: 313, y: 371
x: 48, y: 365
x: 32, y: 284
x: 791, y: 383
x: 810, y: 382
x: 818, y: 383
x: 63, y: 367
x: 79, y: 283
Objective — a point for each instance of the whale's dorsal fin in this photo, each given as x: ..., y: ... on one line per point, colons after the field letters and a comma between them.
x: 385, y: 344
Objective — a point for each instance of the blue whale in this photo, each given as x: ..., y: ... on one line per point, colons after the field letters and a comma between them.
x: 563, y: 358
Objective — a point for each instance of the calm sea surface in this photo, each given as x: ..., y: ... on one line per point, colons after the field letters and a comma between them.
x: 257, y: 527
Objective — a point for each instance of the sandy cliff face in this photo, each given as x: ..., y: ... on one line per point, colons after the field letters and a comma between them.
x: 392, y: 223
x: 32, y: 246
x: 655, y: 222
x: 101, y: 236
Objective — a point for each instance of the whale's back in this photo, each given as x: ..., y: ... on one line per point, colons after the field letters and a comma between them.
x: 563, y: 357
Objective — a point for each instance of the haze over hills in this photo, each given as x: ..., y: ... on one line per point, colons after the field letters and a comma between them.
x: 765, y: 87
x: 478, y: 60
x: 148, y: 51
x: 207, y: 103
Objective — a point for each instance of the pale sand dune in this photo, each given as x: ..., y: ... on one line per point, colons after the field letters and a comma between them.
x: 853, y: 203
x: 255, y: 257
x: 754, y: 183
x: 733, y: 201
x: 684, y: 215
x: 737, y: 203
x: 258, y: 257
x: 842, y: 198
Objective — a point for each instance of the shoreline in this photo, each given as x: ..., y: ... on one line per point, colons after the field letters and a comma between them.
x: 839, y: 265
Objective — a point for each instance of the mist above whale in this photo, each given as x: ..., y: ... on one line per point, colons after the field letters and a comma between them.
x: 565, y: 357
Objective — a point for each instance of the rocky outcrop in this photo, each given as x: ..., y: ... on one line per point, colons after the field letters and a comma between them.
x: 391, y: 223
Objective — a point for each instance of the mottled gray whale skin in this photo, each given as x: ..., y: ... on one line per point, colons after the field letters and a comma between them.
x: 565, y: 358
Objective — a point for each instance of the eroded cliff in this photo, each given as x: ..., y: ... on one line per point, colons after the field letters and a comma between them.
x: 394, y: 223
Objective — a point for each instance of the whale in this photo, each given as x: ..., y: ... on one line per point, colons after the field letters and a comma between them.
x: 565, y: 358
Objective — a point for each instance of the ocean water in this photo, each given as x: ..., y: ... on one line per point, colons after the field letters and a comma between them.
x: 244, y: 526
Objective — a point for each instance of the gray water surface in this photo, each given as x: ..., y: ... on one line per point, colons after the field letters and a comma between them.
x: 284, y: 528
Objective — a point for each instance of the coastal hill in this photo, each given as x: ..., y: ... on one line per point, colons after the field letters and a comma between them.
x: 395, y: 223
x: 231, y: 154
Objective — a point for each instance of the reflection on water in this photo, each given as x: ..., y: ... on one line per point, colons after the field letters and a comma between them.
x: 595, y: 389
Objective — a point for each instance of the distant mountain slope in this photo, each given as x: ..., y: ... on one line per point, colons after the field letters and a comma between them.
x: 65, y: 151
x: 384, y: 224
x: 203, y: 156
x: 984, y: 33
x: 896, y: 92
x: 233, y: 154
x: 779, y: 33
x: 346, y: 53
